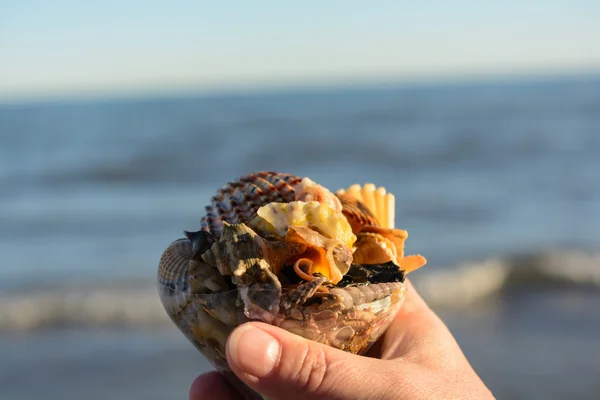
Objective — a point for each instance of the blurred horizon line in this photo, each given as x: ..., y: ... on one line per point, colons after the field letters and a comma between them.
x: 145, y: 91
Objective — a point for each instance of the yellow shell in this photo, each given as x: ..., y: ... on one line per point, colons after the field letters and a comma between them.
x: 377, y: 200
x: 373, y: 248
x: 324, y: 231
x: 370, y: 211
x: 307, y: 190
x: 275, y: 219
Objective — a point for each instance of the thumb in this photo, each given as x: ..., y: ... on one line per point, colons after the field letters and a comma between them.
x: 281, y: 365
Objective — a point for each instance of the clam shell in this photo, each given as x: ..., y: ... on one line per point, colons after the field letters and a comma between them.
x: 373, y: 248
x: 368, y: 205
x: 357, y: 213
x: 238, y: 201
x: 173, y: 276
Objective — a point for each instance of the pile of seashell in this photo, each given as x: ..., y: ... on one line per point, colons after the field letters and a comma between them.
x: 284, y: 250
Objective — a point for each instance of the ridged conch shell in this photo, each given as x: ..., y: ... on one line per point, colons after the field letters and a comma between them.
x: 285, y: 250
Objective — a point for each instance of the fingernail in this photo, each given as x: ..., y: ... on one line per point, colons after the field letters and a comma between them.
x: 254, y: 351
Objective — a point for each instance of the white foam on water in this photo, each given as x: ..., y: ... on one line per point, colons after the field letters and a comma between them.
x: 463, y: 285
x: 98, y: 307
x: 138, y: 304
x: 473, y: 281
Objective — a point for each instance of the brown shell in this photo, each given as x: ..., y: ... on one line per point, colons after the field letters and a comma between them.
x: 173, y: 276
x: 238, y: 201
x: 357, y: 213
x: 247, y: 257
x: 396, y: 236
x: 373, y: 248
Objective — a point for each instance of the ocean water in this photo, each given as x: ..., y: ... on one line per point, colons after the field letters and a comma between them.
x: 496, y: 183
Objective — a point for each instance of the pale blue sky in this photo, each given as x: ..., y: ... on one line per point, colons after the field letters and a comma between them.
x: 68, y: 47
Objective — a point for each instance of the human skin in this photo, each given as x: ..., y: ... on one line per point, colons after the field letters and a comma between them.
x: 416, y: 358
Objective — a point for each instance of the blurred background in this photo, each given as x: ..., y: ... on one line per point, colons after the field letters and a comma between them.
x: 119, y: 121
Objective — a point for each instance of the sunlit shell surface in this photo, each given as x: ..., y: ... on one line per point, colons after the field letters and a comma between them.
x: 275, y: 219
x: 284, y: 250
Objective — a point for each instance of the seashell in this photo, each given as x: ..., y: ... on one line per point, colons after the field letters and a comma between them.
x: 343, y: 335
x: 358, y: 342
x: 396, y: 236
x: 285, y: 250
x: 357, y: 213
x: 325, y: 257
x: 247, y: 257
x: 366, y: 296
x: 253, y: 264
x: 371, y: 210
x: 275, y: 219
x: 375, y: 204
x: 307, y: 191
x: 325, y: 232
x: 374, y: 248
x: 173, y: 276
x: 238, y: 201
x: 223, y: 308
x: 299, y: 296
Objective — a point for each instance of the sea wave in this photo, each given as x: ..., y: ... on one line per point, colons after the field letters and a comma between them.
x: 473, y: 281
x: 135, y: 305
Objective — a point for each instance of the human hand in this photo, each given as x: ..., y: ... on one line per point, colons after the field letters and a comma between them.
x: 416, y: 358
